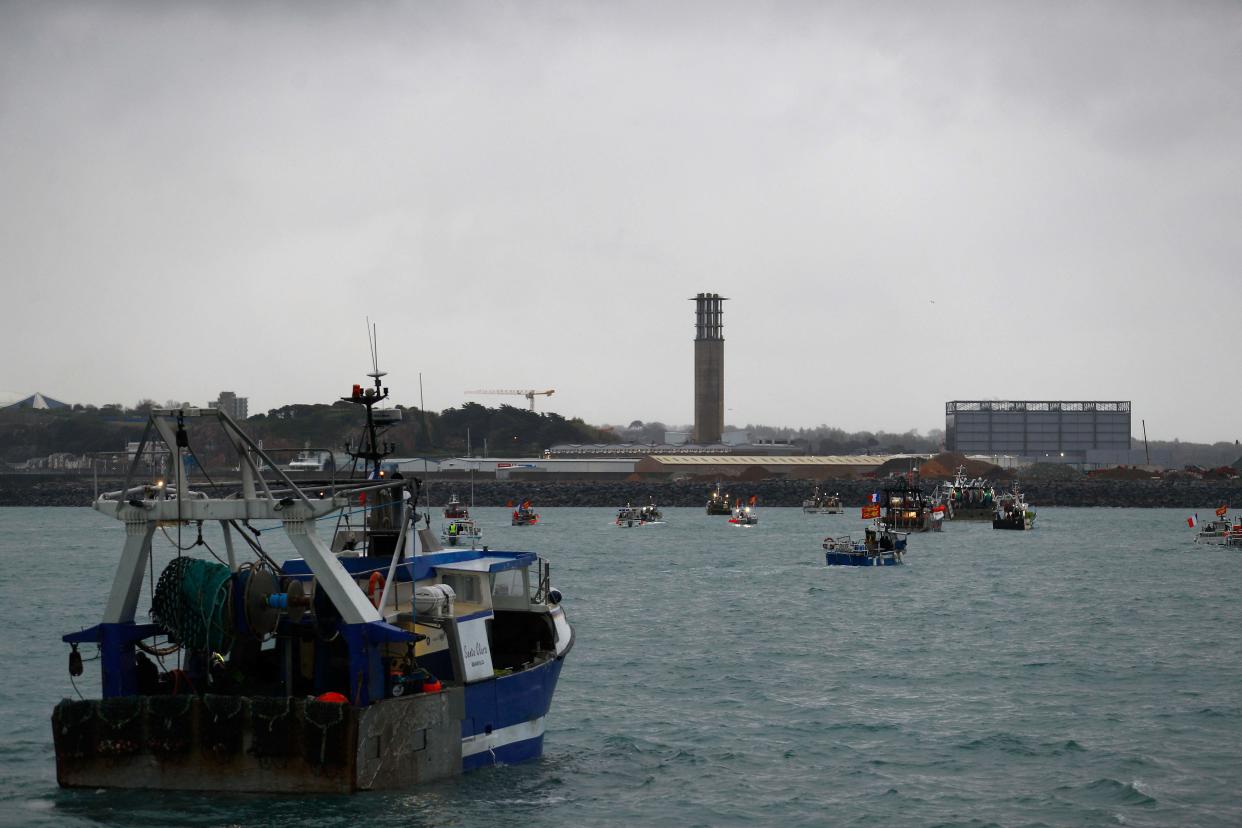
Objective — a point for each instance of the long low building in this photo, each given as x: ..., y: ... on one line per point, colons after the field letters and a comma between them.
x: 654, y: 467
x: 806, y: 467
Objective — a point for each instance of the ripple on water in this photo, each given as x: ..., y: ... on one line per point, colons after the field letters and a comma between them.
x: 1110, y: 792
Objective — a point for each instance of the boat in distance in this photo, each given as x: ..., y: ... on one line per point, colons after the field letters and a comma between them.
x: 377, y: 660
x: 524, y: 515
x: 905, y: 507
x: 718, y: 502
x: 630, y: 516
x: 1013, y: 512
x: 966, y: 499
x: 880, y: 546
x: 1221, y: 531
x: 461, y: 532
x: 744, y: 515
x: 820, y: 503
x: 455, y: 509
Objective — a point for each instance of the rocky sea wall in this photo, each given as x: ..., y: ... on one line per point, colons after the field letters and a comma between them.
x: 21, y: 490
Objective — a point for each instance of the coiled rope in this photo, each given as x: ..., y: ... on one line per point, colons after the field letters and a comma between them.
x: 191, y: 604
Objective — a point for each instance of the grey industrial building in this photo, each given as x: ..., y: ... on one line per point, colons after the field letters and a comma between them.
x: 1082, y: 431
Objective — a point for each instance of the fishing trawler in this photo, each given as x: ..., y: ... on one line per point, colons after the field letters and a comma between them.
x: 524, y: 515
x: 374, y: 661
x: 455, y: 509
x: 966, y: 499
x: 904, y: 506
x: 880, y: 546
x: 1013, y: 512
x: 718, y: 502
x: 822, y: 504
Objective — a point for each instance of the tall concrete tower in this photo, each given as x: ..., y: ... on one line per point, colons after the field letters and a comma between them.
x: 708, y: 368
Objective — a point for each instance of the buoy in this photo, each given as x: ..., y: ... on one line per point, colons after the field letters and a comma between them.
x: 332, y: 698
x: 374, y: 594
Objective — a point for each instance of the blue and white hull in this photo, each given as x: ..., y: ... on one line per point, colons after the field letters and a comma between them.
x: 505, y: 717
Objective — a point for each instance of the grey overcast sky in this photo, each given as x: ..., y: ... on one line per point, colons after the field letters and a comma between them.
x: 906, y: 203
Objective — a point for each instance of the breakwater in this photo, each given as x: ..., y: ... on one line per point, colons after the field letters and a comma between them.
x: 22, y: 490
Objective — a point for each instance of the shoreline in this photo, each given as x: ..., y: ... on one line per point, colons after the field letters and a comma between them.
x: 1184, y: 494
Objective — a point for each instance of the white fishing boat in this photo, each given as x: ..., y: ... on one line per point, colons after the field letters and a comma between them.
x: 461, y: 532
x: 630, y: 516
x: 1221, y: 531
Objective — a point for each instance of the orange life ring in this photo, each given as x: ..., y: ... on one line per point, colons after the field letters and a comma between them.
x: 372, y: 594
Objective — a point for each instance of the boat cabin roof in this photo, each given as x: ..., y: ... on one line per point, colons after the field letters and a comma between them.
x: 422, y: 567
x: 492, y: 563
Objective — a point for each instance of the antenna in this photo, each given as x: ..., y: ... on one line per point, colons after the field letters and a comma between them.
x: 370, y: 449
x: 370, y: 340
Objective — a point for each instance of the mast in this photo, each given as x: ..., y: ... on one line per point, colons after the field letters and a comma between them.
x: 370, y: 450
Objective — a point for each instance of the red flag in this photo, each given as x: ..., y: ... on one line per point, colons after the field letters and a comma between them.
x: 1190, y: 521
x: 754, y: 499
x: 871, y: 510
x: 1222, y: 511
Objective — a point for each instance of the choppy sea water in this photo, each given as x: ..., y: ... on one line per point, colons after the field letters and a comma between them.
x: 1086, y: 673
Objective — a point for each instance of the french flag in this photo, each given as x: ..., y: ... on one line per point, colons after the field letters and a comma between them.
x: 1192, y: 520
x: 875, y: 497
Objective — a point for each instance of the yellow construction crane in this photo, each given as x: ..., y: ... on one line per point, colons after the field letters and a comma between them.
x: 529, y: 395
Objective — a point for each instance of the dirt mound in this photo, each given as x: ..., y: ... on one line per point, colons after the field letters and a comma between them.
x: 944, y: 467
x: 898, y: 465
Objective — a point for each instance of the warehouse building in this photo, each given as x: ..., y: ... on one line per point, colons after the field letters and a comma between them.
x: 1071, y: 431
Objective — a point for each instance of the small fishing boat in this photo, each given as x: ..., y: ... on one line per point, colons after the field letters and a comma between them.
x: 1013, y: 512
x: 718, y: 502
x: 461, y: 532
x: 455, y: 509
x: 822, y: 504
x: 744, y: 515
x: 1221, y: 531
x: 629, y: 516
x: 524, y: 515
x: 880, y: 546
